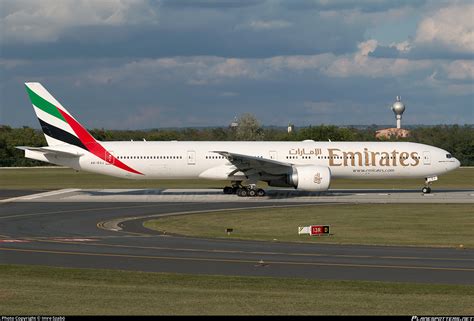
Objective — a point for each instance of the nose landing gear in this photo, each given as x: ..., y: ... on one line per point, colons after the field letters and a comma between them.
x: 426, y: 190
x: 428, y: 180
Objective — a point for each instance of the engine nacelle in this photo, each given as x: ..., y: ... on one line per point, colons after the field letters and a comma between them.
x: 310, y: 178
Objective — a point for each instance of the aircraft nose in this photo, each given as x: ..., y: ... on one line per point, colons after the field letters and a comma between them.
x: 457, y: 163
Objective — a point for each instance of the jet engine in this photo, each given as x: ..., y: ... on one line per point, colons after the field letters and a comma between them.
x: 310, y: 178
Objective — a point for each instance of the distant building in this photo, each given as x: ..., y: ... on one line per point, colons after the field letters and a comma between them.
x: 234, y: 124
x: 291, y: 128
x: 392, y: 132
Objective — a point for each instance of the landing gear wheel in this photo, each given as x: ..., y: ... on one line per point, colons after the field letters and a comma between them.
x: 242, y: 192
x: 428, y: 181
x: 249, y: 191
x: 229, y: 190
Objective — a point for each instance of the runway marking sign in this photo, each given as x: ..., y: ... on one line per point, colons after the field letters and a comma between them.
x: 314, y: 230
x: 319, y: 229
x: 14, y: 241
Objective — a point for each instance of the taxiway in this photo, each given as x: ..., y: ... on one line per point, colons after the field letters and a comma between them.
x: 52, y: 229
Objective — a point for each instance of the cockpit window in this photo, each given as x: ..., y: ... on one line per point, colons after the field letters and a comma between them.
x: 449, y: 156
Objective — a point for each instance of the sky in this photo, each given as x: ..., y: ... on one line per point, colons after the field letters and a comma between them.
x: 139, y: 64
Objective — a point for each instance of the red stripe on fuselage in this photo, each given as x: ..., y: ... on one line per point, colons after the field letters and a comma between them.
x: 93, y: 146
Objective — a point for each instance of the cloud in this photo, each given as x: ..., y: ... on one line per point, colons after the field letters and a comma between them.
x: 442, y: 33
x: 299, y: 62
x: 404, y: 46
x: 140, y: 28
x: 44, y: 21
x: 451, y: 27
x: 210, y: 4
x: 362, y: 64
x: 344, y: 5
x: 197, y: 70
x: 460, y: 69
x: 192, y: 62
x: 144, y: 117
x: 258, y: 25
x: 375, y: 62
x: 438, y: 82
x: 232, y: 67
x: 206, y: 70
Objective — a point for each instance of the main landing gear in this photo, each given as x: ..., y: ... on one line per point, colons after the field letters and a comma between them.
x: 244, y: 191
x: 427, y: 188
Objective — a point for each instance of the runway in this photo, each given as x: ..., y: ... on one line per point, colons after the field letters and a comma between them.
x: 366, y: 196
x: 110, y: 235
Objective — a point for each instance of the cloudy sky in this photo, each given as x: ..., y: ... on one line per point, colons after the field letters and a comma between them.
x: 134, y: 64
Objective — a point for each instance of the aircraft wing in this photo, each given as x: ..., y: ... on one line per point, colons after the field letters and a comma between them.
x: 51, y: 151
x: 256, y: 165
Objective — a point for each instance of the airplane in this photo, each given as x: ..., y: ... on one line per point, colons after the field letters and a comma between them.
x: 306, y: 165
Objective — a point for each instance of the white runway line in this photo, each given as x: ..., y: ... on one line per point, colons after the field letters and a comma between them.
x: 40, y: 195
x: 52, y: 193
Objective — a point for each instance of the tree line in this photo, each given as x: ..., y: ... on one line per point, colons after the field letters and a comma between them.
x: 459, y: 140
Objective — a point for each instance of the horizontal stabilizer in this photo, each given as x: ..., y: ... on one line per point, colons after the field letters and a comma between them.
x: 52, y: 151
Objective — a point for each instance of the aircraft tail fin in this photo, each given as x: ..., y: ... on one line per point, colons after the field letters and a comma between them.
x: 58, y: 125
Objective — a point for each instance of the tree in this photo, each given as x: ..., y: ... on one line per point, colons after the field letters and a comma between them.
x: 249, y: 128
x: 326, y: 132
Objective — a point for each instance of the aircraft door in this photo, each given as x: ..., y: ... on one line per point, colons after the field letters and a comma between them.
x: 191, y: 157
x: 273, y: 155
x: 426, y: 158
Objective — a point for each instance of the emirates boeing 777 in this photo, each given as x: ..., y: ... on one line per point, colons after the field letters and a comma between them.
x: 306, y: 165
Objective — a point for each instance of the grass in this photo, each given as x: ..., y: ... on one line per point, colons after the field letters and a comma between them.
x: 441, y: 225
x: 56, y: 178
x: 35, y: 290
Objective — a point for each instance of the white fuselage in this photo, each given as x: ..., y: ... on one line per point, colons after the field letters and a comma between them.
x: 195, y: 159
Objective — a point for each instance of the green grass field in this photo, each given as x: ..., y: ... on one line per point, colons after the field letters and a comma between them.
x: 56, y: 178
x: 33, y: 290
x: 442, y: 225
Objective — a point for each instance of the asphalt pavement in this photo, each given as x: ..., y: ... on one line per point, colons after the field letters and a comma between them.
x: 111, y: 235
